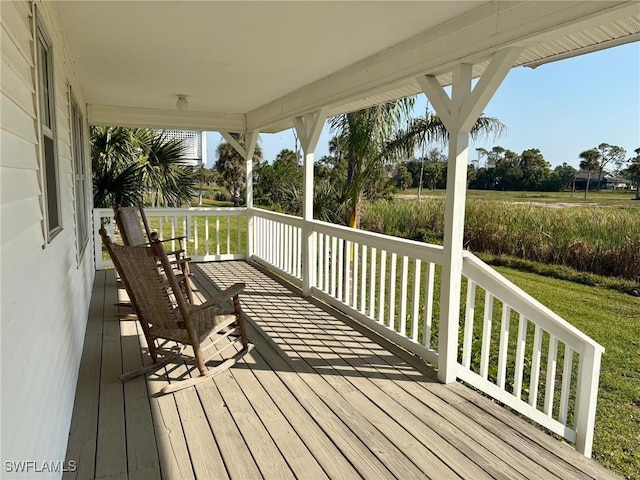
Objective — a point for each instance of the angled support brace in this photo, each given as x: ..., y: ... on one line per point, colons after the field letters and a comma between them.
x: 308, y: 128
x: 459, y: 113
x: 234, y: 143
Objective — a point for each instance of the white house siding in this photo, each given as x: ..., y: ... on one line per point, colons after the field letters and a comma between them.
x: 44, y: 288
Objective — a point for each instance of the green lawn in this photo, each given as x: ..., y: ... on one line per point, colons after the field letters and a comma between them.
x: 613, y: 320
x: 604, y: 197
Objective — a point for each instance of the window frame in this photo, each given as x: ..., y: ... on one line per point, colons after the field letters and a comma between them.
x: 47, y: 131
x: 77, y: 132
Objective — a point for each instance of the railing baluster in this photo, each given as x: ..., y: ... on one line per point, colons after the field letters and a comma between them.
x: 383, y: 284
x: 298, y: 234
x: 520, y: 348
x: 551, y: 375
x: 340, y: 268
x: 228, y: 234
x: 239, y: 239
x: 566, y: 385
x: 288, y: 241
x: 174, y: 220
x: 327, y: 259
x: 356, y: 267
x: 486, y: 335
x: 403, y: 295
x: 392, y: 290
x: 334, y: 262
x: 372, y: 283
x: 347, y: 278
x: 468, y: 323
x: 363, y: 280
x: 415, y: 316
x: 320, y: 269
x: 535, y: 367
x: 195, y: 236
x: 504, y: 345
x: 428, y: 314
x: 206, y: 235
x: 217, y: 235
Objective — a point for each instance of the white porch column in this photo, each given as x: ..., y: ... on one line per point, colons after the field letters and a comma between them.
x: 308, y: 129
x: 459, y: 113
x: 250, y: 140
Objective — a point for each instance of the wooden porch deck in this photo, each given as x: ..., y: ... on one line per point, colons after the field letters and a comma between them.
x: 315, y: 399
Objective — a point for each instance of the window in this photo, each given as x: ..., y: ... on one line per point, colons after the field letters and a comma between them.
x: 48, y: 150
x: 79, y: 173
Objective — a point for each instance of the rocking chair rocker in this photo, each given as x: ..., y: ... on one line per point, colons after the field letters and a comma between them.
x: 209, y: 329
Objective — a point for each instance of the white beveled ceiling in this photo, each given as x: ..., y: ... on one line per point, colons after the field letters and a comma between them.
x: 267, y: 61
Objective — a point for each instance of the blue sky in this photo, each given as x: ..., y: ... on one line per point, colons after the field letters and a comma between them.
x: 561, y: 108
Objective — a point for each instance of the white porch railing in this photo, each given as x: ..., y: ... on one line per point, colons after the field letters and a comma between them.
x: 510, y: 347
x: 528, y: 361
x: 212, y: 233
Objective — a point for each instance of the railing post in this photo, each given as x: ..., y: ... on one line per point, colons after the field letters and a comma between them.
x: 586, y: 398
x: 308, y: 129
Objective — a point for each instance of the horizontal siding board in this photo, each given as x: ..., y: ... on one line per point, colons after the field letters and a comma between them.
x: 17, y: 184
x: 15, y: 89
x: 16, y: 120
x: 13, y: 57
x: 16, y: 152
x: 17, y: 22
x: 18, y: 220
x: 42, y: 332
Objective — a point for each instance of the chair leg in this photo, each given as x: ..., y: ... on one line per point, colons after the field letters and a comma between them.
x: 240, y: 321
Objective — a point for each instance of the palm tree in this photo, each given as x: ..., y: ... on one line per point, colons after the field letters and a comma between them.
x: 590, y: 162
x: 371, y: 138
x: 361, y: 138
x: 128, y: 162
x: 232, y: 168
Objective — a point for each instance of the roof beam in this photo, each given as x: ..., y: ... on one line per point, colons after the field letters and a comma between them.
x: 164, y: 118
x: 470, y: 38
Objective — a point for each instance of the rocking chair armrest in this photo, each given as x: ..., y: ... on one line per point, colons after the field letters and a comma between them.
x: 225, y: 294
x: 179, y: 239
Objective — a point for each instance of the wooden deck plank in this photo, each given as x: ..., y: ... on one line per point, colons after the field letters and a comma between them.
x: 428, y: 464
x: 268, y: 458
x: 233, y: 449
x: 315, y: 398
x: 319, y: 444
x: 446, y: 447
x: 203, y: 450
x: 111, y: 453
x: 170, y: 441
x: 81, y: 447
x: 351, y: 446
x: 524, y: 455
x: 142, y: 451
x: 295, y: 452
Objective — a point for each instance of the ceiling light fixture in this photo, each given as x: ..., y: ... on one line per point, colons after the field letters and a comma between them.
x: 182, y: 103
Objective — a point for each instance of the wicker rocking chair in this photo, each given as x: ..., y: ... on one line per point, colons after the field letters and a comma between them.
x: 209, y: 329
x: 130, y: 221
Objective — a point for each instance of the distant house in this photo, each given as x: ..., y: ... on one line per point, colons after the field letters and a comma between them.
x: 195, y: 143
x: 608, y: 181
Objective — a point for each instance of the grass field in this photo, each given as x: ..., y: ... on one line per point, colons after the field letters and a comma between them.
x: 611, y: 198
x: 600, y: 240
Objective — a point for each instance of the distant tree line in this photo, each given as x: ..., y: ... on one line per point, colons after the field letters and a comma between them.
x: 504, y: 169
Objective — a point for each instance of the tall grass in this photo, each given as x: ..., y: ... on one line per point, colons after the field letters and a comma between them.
x: 604, y: 241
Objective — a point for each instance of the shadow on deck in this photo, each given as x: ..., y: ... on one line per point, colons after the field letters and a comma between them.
x: 315, y: 399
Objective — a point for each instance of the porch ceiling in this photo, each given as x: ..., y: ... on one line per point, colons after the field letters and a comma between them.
x: 257, y: 64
